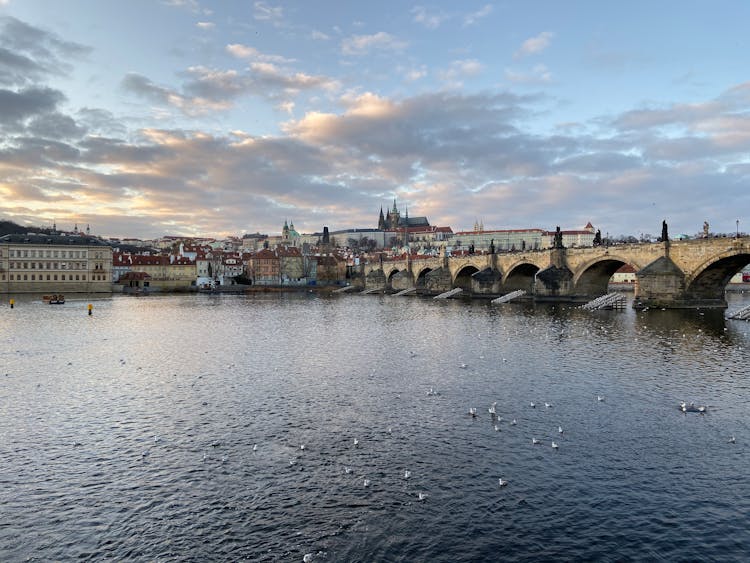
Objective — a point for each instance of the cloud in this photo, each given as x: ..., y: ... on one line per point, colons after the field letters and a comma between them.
x: 414, y: 74
x: 263, y: 12
x: 539, y: 74
x: 450, y: 155
x: 191, y: 5
x: 534, y: 45
x: 475, y: 17
x: 29, y: 54
x: 319, y: 35
x: 207, y: 90
x: 192, y: 106
x: 205, y: 25
x: 19, y: 106
x: 358, y: 45
x: 246, y: 52
x: 461, y: 69
x: 429, y: 19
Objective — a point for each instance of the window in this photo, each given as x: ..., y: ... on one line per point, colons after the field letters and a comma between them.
x: 77, y: 277
x: 33, y: 277
x: 25, y: 277
x: 84, y: 277
x: 47, y: 277
x: 63, y: 277
x: 55, y: 277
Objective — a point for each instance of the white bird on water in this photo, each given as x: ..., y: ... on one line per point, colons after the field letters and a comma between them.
x: 407, y: 474
x: 366, y: 483
x: 255, y: 447
x: 532, y: 405
x: 356, y: 442
x: 513, y: 422
x: 473, y: 412
x: 502, y: 482
x: 554, y: 444
x: 548, y: 405
x: 560, y: 429
x: 497, y: 428
x: 422, y: 496
x: 302, y: 446
x: 463, y: 366
x: 600, y: 398
x: 732, y: 440
x: 347, y: 470
x: 535, y: 441
x: 307, y: 558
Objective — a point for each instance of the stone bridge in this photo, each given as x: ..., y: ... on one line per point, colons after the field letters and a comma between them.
x: 671, y: 274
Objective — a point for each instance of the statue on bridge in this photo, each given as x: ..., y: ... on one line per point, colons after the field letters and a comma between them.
x: 705, y: 229
x: 558, y: 239
x: 492, y: 246
x: 664, y: 233
x: 598, y: 238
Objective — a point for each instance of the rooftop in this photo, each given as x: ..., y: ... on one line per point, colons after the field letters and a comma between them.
x: 57, y: 239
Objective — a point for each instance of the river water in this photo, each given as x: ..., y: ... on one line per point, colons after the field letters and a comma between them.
x: 169, y: 428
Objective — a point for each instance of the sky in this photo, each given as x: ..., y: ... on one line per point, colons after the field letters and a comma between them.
x: 188, y: 117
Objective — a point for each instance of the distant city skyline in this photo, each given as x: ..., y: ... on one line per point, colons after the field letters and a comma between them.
x: 196, y: 118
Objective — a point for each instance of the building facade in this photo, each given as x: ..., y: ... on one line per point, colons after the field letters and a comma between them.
x: 54, y: 263
x: 507, y: 240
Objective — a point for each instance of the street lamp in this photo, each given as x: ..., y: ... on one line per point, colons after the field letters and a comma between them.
x: 738, y: 228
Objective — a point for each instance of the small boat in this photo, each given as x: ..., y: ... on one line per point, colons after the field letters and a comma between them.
x: 56, y: 299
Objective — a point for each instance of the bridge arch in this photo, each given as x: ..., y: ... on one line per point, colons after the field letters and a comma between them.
x: 389, y: 276
x: 592, y: 279
x: 709, y: 280
x: 520, y: 276
x: 463, y: 277
x: 421, y: 278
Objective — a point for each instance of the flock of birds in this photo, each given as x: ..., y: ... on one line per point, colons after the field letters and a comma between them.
x: 497, y: 422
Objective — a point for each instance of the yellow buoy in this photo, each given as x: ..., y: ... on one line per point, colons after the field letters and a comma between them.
x: 12, y: 302
x: 90, y: 308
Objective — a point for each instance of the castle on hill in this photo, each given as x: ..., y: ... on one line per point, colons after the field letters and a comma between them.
x: 393, y: 221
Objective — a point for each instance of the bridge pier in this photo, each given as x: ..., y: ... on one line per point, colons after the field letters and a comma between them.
x: 554, y: 284
x: 376, y: 278
x: 438, y: 281
x: 487, y: 282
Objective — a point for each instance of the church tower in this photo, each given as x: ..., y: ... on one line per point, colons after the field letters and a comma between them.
x: 393, y: 217
x: 381, y: 220
x: 285, y: 231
